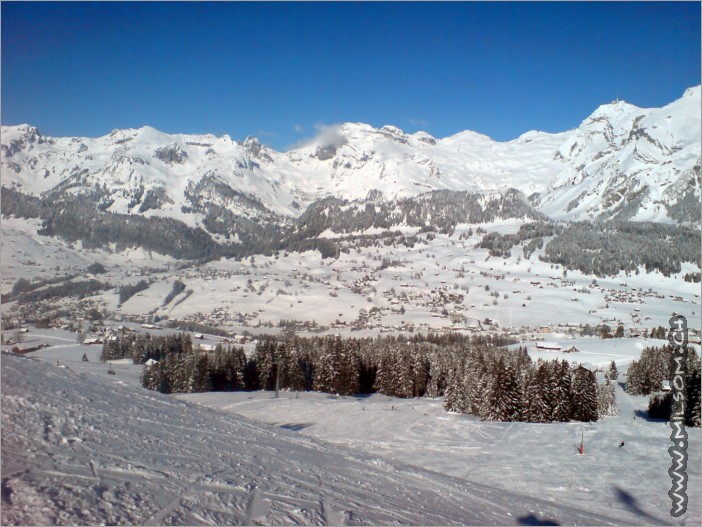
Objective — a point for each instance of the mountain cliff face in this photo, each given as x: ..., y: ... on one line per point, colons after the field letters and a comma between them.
x: 631, y: 163
x: 622, y: 162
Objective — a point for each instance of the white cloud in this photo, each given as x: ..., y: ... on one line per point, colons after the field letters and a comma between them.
x: 299, y: 129
x: 326, y: 135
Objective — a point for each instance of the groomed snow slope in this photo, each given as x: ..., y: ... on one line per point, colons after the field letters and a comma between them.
x: 77, y: 449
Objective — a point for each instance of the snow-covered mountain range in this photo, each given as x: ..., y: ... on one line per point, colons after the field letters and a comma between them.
x: 623, y: 161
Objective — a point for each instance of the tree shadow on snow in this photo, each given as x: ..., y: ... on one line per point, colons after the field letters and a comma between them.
x: 295, y: 427
x: 632, y: 504
x: 643, y: 414
x: 532, y: 519
x: 361, y: 396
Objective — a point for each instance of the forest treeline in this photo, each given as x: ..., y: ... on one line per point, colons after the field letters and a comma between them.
x: 646, y: 375
x: 595, y: 248
x: 82, y: 217
x: 604, y: 248
x: 477, y: 375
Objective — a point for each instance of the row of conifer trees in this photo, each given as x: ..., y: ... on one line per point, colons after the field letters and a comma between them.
x: 646, y: 375
x: 475, y: 375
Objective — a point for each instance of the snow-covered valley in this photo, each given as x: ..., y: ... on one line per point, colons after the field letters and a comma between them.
x: 444, y: 284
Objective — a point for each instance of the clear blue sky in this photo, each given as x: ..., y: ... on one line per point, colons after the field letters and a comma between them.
x: 276, y: 70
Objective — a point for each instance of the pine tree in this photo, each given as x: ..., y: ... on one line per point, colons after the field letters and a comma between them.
x: 606, y: 404
x: 613, y: 372
x: 384, y: 373
x: 660, y: 406
x: 561, y: 403
x: 347, y: 367
x: 537, y: 407
x: 146, y: 377
x: 503, y: 397
x: 619, y: 333
x: 472, y: 388
x: 633, y: 379
x: 454, y: 396
x: 692, y: 404
x: 292, y: 374
x: 419, y: 371
x: 333, y: 364
x: 324, y: 373
x: 265, y: 358
x: 584, y: 395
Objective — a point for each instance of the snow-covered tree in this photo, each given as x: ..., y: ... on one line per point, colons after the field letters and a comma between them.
x: 455, y: 396
x: 606, y: 400
x: 584, y: 395
x: 692, y: 406
x: 537, y: 408
x: 613, y: 373
x: 504, y: 395
x: 561, y: 399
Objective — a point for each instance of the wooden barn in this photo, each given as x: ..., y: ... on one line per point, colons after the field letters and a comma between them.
x: 547, y: 346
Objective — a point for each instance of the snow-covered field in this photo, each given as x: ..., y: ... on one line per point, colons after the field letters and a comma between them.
x: 596, y: 351
x: 96, y: 439
x: 539, y: 461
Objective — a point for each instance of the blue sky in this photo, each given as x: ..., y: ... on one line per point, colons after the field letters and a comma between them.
x: 279, y: 70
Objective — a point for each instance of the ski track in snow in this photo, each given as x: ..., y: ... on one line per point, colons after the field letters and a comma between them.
x: 82, y: 449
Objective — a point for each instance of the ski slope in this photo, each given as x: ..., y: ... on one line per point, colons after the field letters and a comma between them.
x: 534, y: 460
x: 83, y: 449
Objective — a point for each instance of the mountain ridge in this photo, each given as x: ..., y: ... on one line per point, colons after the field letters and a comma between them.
x: 621, y: 161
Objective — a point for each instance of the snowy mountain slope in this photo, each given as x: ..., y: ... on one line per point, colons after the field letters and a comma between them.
x: 81, y: 449
x: 632, y: 162
x: 639, y: 163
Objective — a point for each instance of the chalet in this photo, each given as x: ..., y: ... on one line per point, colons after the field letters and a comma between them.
x: 198, y: 336
x: 206, y: 347
x: 92, y: 340
x: 547, y: 346
x: 150, y: 362
x: 22, y: 351
x: 572, y: 349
